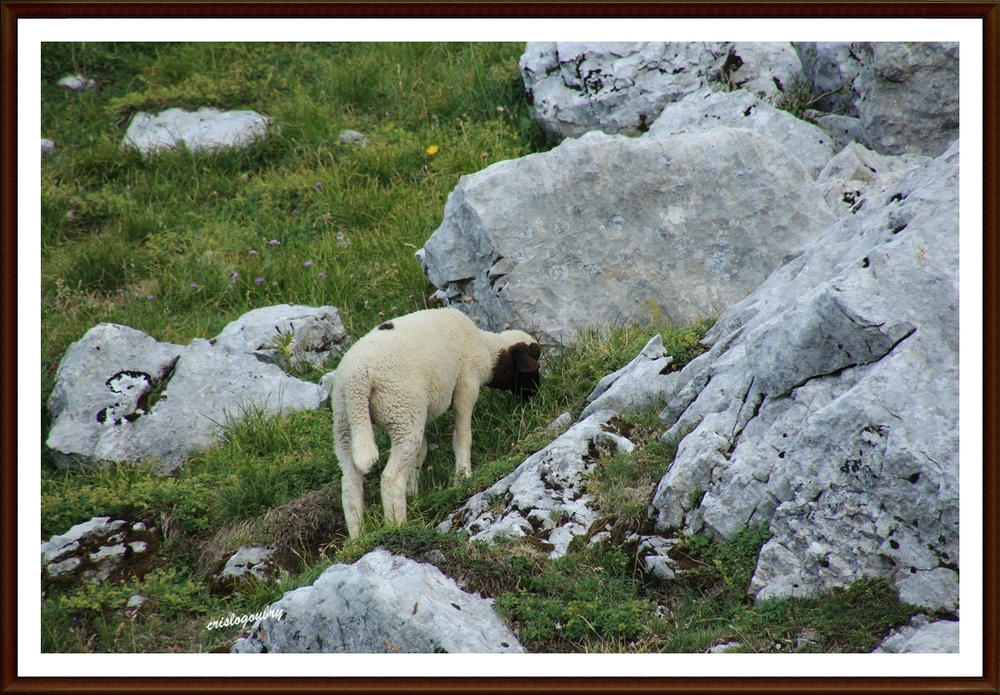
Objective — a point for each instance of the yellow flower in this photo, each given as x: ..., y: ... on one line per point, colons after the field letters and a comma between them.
x: 432, y: 150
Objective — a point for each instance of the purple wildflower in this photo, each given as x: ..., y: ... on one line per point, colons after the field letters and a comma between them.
x: 308, y: 264
x: 253, y: 252
x: 274, y: 242
x: 194, y: 285
x: 319, y: 186
x: 150, y: 298
x: 233, y: 278
x: 321, y: 276
x: 295, y: 211
x: 259, y: 281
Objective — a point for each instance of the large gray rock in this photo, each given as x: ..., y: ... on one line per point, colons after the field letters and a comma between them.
x: 288, y: 336
x: 121, y: 396
x: 596, y: 229
x: 613, y: 87
x: 908, y: 96
x: 204, y: 129
x: 706, y: 109
x: 828, y: 405
x: 382, y: 603
x: 545, y: 497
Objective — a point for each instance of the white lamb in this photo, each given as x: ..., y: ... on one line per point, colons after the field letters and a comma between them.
x: 402, y: 375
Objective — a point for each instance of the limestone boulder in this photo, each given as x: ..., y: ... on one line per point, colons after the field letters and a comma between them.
x: 908, y: 96
x: 604, y: 228
x: 612, y: 87
x: 827, y: 407
x: 705, y: 109
x: 381, y: 604
x: 121, y: 396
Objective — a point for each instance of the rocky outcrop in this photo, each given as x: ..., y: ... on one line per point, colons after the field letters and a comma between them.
x: 97, y: 550
x: 623, y: 87
x: 613, y: 87
x: 598, y: 228
x: 545, y: 497
x: 204, y: 129
x: 121, y: 396
x: 382, y: 603
x: 908, y: 96
x: 828, y: 405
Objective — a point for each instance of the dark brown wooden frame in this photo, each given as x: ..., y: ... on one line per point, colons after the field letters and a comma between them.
x: 987, y: 12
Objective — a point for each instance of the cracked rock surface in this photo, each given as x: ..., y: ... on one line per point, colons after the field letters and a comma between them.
x: 545, y: 496
x: 383, y: 603
x: 828, y: 405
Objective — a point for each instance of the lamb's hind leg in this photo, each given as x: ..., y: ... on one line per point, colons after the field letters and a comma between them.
x: 351, y: 481
x: 412, y: 477
x: 406, y: 447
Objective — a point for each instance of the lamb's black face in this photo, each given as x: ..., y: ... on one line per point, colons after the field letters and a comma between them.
x: 517, y: 370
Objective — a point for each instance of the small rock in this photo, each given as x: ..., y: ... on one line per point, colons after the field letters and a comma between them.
x: 205, y: 129
x: 724, y: 647
x: 247, y: 562
x: 561, y: 423
x: 348, y: 137
x: 77, y: 83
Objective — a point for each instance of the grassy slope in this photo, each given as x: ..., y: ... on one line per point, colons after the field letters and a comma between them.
x: 174, y: 244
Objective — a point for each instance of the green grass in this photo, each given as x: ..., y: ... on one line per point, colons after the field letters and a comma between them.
x: 173, y: 244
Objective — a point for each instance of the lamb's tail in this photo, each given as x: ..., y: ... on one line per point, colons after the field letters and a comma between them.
x: 364, y: 451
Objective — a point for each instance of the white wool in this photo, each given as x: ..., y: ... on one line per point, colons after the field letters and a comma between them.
x: 400, y: 376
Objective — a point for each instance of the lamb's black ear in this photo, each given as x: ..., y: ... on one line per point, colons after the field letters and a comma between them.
x: 523, y: 359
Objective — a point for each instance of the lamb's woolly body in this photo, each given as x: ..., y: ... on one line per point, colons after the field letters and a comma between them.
x: 402, y: 375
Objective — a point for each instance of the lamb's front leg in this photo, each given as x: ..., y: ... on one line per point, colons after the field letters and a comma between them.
x: 463, y: 403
